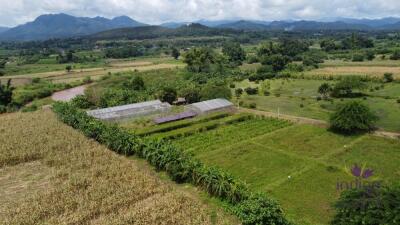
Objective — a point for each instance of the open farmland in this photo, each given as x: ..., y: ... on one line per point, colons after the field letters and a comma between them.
x: 298, y: 97
x: 51, y: 174
x: 265, y: 152
x: 62, y: 76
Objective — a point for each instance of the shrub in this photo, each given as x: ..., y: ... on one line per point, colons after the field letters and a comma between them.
x: 352, y: 117
x: 301, y: 105
x: 266, y: 93
x: 232, y: 85
x: 368, y: 206
x: 358, y: 58
x: 81, y: 101
x: 259, y: 209
x: 87, y: 80
x: 191, y: 94
x: 395, y: 55
x: 398, y: 100
x: 238, y: 92
x: 212, y: 91
x: 252, y: 105
x: 251, y: 91
x: 168, y: 94
x: 388, y: 77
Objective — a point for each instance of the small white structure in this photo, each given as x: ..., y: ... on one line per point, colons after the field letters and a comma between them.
x: 131, y: 111
x: 210, y: 106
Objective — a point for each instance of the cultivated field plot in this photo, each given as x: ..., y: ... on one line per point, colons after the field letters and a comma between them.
x: 265, y: 152
x: 298, y: 97
x: 373, y: 71
x: 51, y: 174
x: 59, y: 75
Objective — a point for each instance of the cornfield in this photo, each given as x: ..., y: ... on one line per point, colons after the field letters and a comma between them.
x: 82, y: 182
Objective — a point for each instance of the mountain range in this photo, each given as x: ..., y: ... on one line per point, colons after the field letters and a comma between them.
x: 63, y: 26
x: 3, y: 29
x: 66, y: 26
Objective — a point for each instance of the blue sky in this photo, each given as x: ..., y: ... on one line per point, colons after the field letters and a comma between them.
x: 14, y: 12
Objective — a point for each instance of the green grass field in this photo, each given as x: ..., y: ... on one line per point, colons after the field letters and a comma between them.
x: 264, y: 152
x: 298, y: 97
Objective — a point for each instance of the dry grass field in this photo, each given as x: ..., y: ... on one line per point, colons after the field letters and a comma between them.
x: 374, y: 71
x: 94, y: 73
x: 51, y: 174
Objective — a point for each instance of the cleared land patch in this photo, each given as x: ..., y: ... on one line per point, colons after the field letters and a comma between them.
x: 85, y: 182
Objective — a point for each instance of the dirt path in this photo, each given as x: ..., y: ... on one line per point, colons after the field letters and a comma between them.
x: 67, y: 95
x: 319, y: 123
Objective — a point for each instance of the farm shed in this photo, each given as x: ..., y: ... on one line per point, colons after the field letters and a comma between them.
x: 210, y: 106
x: 131, y: 111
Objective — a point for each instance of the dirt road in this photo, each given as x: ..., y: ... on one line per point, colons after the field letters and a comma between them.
x: 67, y: 95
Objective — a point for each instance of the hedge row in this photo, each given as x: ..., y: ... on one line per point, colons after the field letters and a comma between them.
x: 250, y: 208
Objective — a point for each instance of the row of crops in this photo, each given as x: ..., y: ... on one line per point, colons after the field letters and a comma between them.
x: 207, y: 133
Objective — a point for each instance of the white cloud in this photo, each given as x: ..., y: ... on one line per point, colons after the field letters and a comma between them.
x: 13, y: 12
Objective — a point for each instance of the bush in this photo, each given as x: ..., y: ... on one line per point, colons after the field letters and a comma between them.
x: 191, y: 95
x: 388, y: 77
x: 232, y: 85
x: 395, y: 55
x: 213, y: 91
x: 81, y: 101
x: 358, y: 58
x: 352, y: 117
x: 168, y: 94
x: 368, y: 206
x: 252, y: 105
x: 87, y: 80
x: 238, y: 92
x: 251, y: 91
x: 259, y: 209
x: 398, y: 100
x: 180, y: 166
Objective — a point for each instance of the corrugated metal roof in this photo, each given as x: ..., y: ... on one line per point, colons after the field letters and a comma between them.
x: 124, y: 107
x: 212, y: 104
x: 180, y: 116
x: 130, y: 111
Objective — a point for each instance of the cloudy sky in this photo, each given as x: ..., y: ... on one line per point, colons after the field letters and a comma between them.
x: 14, y: 12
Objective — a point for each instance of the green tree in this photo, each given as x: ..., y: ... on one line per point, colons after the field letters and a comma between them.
x: 278, y: 62
x: 395, y: 55
x: 191, y: 94
x: 168, y: 94
x: 368, y: 206
x: 235, y: 53
x: 200, y: 59
x: 136, y: 84
x: 6, y: 92
x: 212, y: 90
x: 388, y: 77
x: 352, y: 117
x: 328, y: 45
x: 175, y: 53
x: 238, y: 92
x: 3, y: 63
x: 325, y: 90
x: 346, y: 86
x: 68, y: 68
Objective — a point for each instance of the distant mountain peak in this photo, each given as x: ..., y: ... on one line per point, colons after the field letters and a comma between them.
x: 63, y: 25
